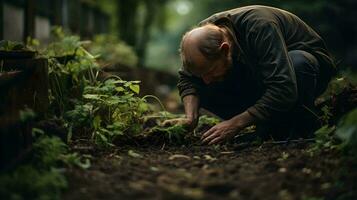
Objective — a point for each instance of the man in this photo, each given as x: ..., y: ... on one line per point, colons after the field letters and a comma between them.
x: 253, y: 65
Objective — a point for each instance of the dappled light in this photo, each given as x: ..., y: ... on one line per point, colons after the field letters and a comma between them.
x: 178, y: 99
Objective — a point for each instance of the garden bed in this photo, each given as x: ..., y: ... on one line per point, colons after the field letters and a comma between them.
x: 265, y: 171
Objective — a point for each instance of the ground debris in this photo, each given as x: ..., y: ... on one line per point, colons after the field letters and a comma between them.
x: 204, y: 172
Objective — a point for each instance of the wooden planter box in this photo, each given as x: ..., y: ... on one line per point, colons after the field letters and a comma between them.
x: 23, y: 85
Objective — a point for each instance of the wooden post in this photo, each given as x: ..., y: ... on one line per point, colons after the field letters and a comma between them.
x: 29, y: 19
x: 56, y: 17
x: 1, y: 19
x: 23, y: 84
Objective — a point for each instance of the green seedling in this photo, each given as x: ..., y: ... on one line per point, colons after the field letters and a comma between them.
x: 174, y: 134
x: 75, y: 160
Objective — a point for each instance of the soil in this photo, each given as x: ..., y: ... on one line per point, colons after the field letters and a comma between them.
x: 264, y: 171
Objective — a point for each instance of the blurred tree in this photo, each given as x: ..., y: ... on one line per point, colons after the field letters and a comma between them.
x: 135, y: 24
x: 153, y: 7
x: 334, y: 20
x: 127, y: 23
x: 158, y: 25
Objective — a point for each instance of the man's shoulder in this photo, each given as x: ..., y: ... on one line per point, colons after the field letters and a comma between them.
x: 244, y: 14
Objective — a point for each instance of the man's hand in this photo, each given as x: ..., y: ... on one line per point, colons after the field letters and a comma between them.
x: 227, y: 129
x: 220, y: 132
x: 189, y: 124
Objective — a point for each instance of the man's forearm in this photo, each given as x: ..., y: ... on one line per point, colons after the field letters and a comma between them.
x: 243, y: 120
x: 191, y: 104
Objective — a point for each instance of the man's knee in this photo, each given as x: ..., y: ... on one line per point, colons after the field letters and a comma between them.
x: 304, y: 62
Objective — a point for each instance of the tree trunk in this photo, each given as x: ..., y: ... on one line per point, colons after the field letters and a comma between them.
x: 127, y: 20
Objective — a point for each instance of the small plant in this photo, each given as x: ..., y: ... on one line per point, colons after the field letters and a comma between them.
x: 71, y: 68
x: 206, y: 120
x: 6, y: 45
x: 326, y: 114
x: 341, y: 137
x: 40, y: 177
x: 347, y: 132
x: 174, y: 134
x: 29, y: 182
x: 324, y: 139
x: 111, y: 109
x: 75, y: 160
x: 112, y: 51
x: 284, y: 156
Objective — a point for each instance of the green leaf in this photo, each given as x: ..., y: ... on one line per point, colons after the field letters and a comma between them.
x: 347, y: 128
x: 134, y: 154
x: 93, y: 96
x: 96, y: 122
x: 119, y: 89
x: 135, y: 88
x: 103, y: 138
x: 37, y: 132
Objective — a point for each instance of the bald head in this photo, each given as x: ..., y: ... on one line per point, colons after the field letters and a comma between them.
x: 202, y: 43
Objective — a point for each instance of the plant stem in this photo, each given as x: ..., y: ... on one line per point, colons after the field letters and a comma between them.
x: 157, y: 99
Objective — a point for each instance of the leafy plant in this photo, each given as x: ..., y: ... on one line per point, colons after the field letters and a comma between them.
x: 71, y: 68
x: 47, y: 151
x: 209, y: 121
x: 6, y: 45
x: 341, y: 137
x: 40, y: 177
x: 174, y: 134
x: 111, y: 50
x: 28, y: 182
x: 347, y: 132
x: 111, y: 109
x: 75, y: 160
x: 326, y: 114
x: 324, y: 139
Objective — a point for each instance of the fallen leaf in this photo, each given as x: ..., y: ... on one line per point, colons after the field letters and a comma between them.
x: 134, y: 154
x: 155, y: 169
x: 282, y: 170
x: 209, y: 158
x: 178, y: 156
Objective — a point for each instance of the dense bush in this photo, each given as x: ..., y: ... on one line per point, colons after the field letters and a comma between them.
x: 110, y: 50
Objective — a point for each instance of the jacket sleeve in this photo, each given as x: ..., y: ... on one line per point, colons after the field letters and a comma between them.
x: 186, y: 84
x: 267, y: 45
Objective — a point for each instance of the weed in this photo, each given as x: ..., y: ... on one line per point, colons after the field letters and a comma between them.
x: 110, y: 109
x: 174, y: 134
x: 47, y: 151
x: 324, y: 139
x: 28, y: 182
x: 75, y: 160
x: 209, y: 121
x: 326, y: 114
x: 341, y: 137
x: 40, y: 177
x: 111, y: 50
x: 6, y: 45
x: 347, y: 132
x: 284, y: 156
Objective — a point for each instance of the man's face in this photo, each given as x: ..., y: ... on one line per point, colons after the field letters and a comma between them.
x: 212, y: 71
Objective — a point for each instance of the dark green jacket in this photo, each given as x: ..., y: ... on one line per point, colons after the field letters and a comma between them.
x: 263, y: 37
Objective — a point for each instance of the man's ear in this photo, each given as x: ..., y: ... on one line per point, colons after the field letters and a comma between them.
x: 225, y: 47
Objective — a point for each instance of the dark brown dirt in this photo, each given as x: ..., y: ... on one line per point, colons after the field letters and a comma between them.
x: 200, y: 172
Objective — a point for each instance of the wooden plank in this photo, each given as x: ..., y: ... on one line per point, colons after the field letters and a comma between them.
x: 23, y: 84
x: 29, y: 19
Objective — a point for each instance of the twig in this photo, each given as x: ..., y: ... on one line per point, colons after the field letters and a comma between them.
x: 290, y: 141
x: 163, y: 146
